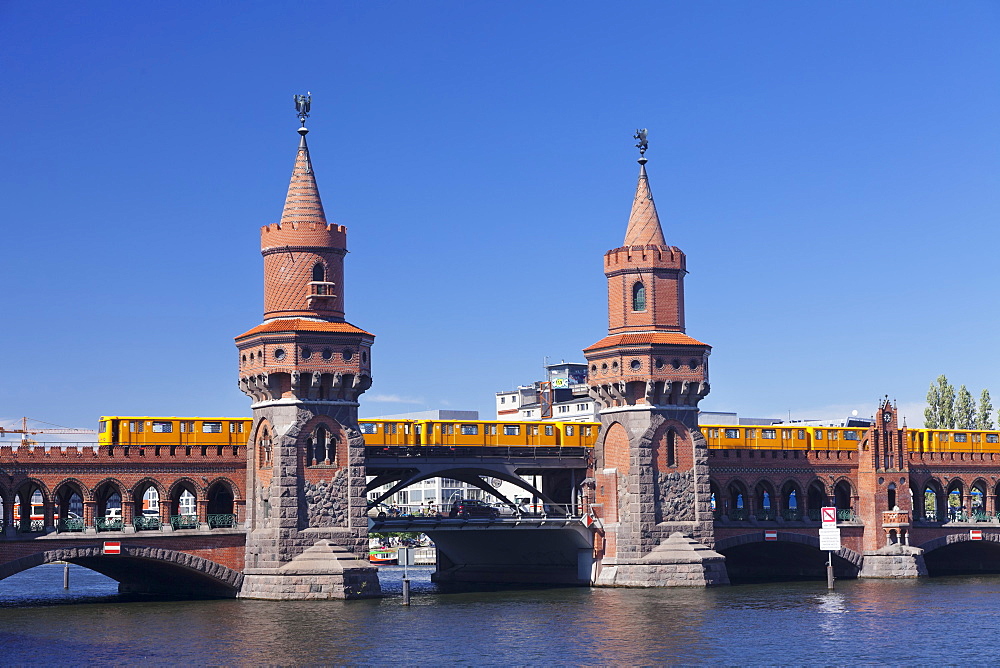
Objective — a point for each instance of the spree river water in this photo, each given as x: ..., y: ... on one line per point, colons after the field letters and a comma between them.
x: 952, y: 620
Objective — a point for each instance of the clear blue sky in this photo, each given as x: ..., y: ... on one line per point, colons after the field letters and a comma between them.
x: 830, y: 169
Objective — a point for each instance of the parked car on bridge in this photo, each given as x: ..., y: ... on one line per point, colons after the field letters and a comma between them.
x: 466, y: 508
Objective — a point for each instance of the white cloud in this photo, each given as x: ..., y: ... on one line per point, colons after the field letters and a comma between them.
x: 392, y: 399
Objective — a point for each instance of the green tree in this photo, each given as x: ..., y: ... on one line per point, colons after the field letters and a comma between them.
x: 984, y: 419
x: 940, y: 411
x: 965, y: 409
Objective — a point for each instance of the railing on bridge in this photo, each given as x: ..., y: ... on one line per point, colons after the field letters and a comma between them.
x: 147, y: 523
x: 184, y: 521
x: 789, y: 515
x: 222, y: 520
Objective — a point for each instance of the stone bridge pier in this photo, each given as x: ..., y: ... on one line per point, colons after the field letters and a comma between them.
x: 651, y: 492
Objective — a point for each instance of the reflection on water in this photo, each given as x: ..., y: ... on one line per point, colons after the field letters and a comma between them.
x: 863, y: 621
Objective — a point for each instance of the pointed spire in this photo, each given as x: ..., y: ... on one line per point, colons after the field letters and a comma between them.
x: 643, y: 223
x: 302, y: 204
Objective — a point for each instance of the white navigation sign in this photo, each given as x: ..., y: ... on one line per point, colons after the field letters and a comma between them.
x: 829, y: 539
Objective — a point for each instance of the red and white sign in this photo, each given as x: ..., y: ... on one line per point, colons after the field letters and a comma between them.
x: 975, y: 534
x: 770, y: 535
x: 112, y: 547
x: 829, y: 515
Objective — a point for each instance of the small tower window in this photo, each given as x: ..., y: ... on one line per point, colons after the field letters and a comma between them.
x: 319, y: 272
x: 638, y: 297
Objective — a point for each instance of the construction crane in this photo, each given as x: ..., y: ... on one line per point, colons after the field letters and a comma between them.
x: 50, y: 429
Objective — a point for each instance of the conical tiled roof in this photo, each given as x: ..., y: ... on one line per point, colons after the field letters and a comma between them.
x: 302, y: 204
x: 643, y: 224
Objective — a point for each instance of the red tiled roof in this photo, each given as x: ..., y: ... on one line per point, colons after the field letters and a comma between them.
x: 302, y: 325
x: 631, y: 339
x: 643, y: 223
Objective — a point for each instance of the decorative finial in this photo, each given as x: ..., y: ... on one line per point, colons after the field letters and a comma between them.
x: 302, y: 104
x: 642, y: 145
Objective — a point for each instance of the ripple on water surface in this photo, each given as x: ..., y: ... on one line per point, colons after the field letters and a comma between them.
x: 789, y: 623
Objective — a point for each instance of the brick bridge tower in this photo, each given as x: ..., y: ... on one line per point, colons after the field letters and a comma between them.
x: 884, y: 500
x: 305, y: 368
x: 647, y: 376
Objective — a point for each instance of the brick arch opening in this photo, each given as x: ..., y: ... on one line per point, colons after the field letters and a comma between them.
x: 69, y: 497
x: 322, y: 441
x: 792, y: 556
x: 141, y: 569
x: 616, y: 448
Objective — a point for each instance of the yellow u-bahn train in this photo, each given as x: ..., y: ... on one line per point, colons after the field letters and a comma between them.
x: 801, y: 437
x: 146, y: 431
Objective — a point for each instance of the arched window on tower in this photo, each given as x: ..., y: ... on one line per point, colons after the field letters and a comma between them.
x: 671, y: 448
x: 320, y: 447
x: 319, y: 272
x: 638, y: 296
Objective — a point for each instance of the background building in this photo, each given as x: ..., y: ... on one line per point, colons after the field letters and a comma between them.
x: 561, y: 396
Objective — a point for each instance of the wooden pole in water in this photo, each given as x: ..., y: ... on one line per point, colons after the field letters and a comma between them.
x: 66, y: 576
x: 829, y: 570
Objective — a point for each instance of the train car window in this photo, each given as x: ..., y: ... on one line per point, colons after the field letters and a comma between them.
x: 767, y: 433
x: 961, y: 438
x: 588, y: 431
x: 751, y: 433
x: 569, y: 430
x: 975, y: 438
x: 137, y: 426
x: 102, y: 426
x: 511, y: 430
x: 368, y: 427
x: 786, y: 433
x: 819, y: 434
x: 389, y: 428
x: 992, y: 438
x: 943, y: 438
x: 732, y: 433
x: 850, y: 435
x: 534, y: 430
x: 801, y: 435
x: 406, y: 429
x: 833, y: 436
x: 163, y: 427
x: 469, y: 429
x: 211, y: 427
x: 448, y: 429
x: 548, y: 430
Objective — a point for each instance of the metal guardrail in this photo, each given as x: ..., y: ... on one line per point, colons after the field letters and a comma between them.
x: 184, y: 521
x: 108, y: 524
x: 71, y: 524
x: 225, y: 520
x: 147, y: 523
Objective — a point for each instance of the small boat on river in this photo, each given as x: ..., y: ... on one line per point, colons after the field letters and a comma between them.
x: 383, y: 556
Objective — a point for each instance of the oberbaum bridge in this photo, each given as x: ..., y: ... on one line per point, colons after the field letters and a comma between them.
x: 650, y: 505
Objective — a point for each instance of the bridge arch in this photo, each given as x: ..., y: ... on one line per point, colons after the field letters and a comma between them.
x: 105, y: 494
x: 140, y: 569
x: 791, y: 491
x: 792, y: 556
x: 183, y: 496
x: 959, y: 554
x: 76, y: 485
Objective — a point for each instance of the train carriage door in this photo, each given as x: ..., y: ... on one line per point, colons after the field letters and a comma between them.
x: 114, y: 431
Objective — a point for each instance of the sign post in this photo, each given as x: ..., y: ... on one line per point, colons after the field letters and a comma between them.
x: 829, y: 540
x: 405, y: 558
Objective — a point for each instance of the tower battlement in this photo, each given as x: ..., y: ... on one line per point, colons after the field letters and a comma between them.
x: 309, y: 234
x: 668, y: 257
